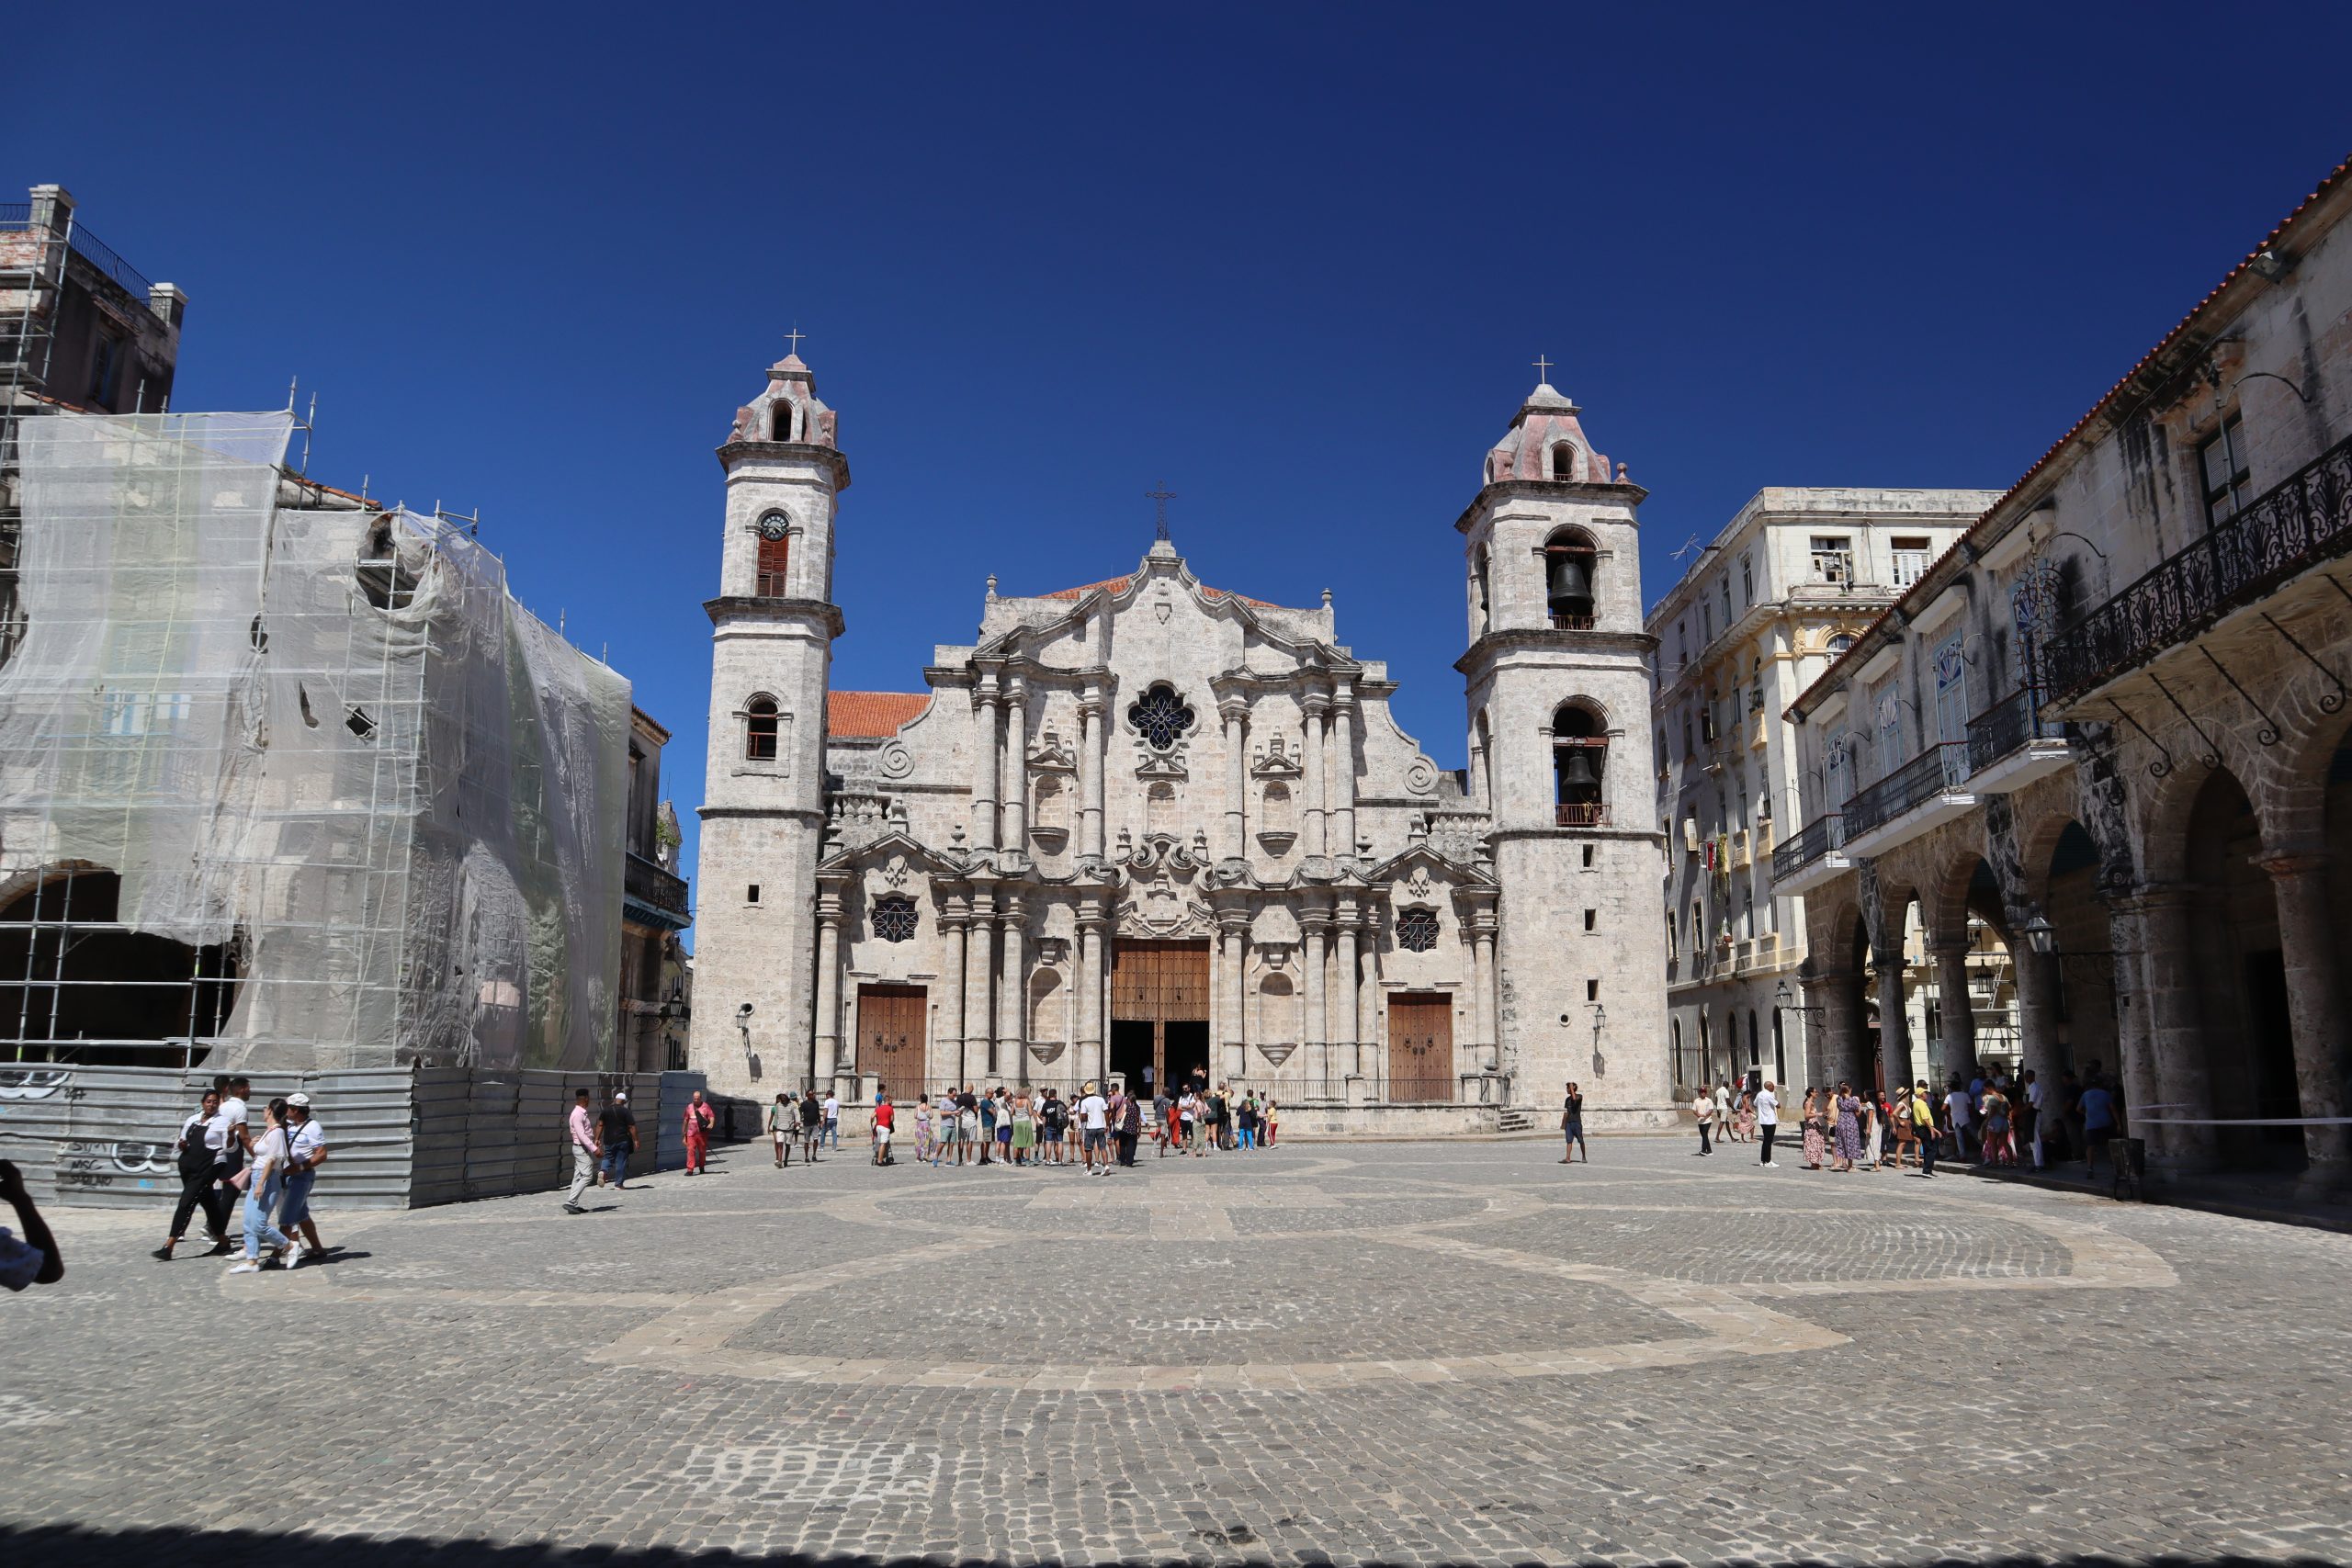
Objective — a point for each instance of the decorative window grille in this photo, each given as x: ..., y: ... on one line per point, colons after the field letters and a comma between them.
x: 1161, y: 716
x: 1417, y: 930
x: 894, y: 918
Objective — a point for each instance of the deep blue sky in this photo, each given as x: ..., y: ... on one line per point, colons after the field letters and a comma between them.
x: 1293, y: 260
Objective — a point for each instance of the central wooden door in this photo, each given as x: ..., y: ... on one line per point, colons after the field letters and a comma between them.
x: 1153, y: 986
x: 891, y: 1037
x: 1420, y: 1047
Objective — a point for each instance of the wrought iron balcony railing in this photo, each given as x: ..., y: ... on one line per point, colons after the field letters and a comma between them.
x: 1581, y: 814
x: 2006, y: 725
x: 1937, y: 769
x: 1816, y: 839
x: 2297, y: 525
x: 647, y: 882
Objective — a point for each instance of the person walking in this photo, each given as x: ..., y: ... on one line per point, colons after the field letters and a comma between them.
x: 616, y: 1131
x: 1922, y: 1112
x: 1993, y: 1111
x: 265, y: 1185
x: 1702, y: 1107
x: 1848, y: 1138
x: 1816, y: 1143
x: 1572, y: 1125
x: 922, y: 1129
x: 696, y: 1124
x: 783, y: 1121
x: 2099, y: 1124
x: 1269, y: 1120
x: 1721, y: 1121
x: 1768, y: 1118
x: 1130, y: 1127
x: 886, y: 1123
x: 584, y: 1150
x: 306, y: 1150
x: 812, y: 1126
x: 832, y: 1119
x: 1959, y: 1105
x: 1899, y: 1126
x: 2025, y: 1116
x: 200, y: 1155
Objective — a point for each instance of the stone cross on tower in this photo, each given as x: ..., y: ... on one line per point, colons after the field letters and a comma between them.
x: 1544, y: 369
x: 793, y: 337
x: 1160, y: 499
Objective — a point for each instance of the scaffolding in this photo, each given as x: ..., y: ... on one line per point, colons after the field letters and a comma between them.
x: 288, y: 782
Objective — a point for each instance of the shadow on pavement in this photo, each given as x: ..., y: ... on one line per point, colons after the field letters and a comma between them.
x: 76, y: 1546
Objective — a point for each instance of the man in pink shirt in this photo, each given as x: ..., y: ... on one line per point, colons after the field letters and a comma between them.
x: 583, y: 1152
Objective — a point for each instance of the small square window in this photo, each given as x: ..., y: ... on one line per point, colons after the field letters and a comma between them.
x: 1591, y: 919
x: 751, y: 894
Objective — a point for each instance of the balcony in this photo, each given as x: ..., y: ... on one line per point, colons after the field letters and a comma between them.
x: 1567, y: 623
x: 1813, y: 857
x: 651, y: 896
x: 1923, y: 792
x: 2297, y: 525
x: 1581, y: 814
x: 2011, y: 744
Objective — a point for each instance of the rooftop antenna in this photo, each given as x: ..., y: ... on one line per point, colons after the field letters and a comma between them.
x: 1160, y: 497
x: 363, y: 485
x: 1688, y: 546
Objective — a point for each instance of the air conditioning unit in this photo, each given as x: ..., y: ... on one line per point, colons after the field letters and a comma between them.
x: 1690, y: 835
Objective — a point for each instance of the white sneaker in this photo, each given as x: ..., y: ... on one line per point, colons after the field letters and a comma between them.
x: 245, y: 1266
x: 293, y: 1256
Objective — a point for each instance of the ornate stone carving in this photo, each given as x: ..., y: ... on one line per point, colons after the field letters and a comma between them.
x: 1420, y: 776
x: 895, y: 761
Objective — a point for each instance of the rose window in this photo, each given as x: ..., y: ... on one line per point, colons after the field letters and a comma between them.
x: 894, y: 918
x: 1161, y: 716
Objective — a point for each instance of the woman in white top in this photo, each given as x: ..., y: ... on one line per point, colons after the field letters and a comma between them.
x: 265, y: 1182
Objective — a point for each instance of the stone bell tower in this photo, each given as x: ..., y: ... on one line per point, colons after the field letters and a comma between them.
x: 773, y: 627
x: 1558, y: 686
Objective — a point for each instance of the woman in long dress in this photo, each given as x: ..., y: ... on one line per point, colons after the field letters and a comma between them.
x: 1815, y: 1145
x: 1849, y: 1128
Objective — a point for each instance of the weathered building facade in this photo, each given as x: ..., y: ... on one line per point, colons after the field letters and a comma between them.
x: 1147, y: 828
x: 2110, y: 728
x: 1779, y: 592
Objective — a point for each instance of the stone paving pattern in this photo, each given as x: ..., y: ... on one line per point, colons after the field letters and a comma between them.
x: 1353, y: 1353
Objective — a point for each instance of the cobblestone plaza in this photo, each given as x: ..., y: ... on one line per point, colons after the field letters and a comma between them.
x: 1393, y: 1352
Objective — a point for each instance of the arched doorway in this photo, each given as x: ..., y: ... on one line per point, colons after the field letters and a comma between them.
x: 2239, y: 972
x: 77, y: 985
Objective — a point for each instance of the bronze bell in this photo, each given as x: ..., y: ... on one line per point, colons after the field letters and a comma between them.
x: 1571, y: 576
x: 1577, y: 772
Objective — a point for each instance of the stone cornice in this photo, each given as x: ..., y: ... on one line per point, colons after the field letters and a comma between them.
x: 1627, y: 494
x: 746, y: 607
x: 788, y: 452
x: 1638, y: 644
x: 785, y: 813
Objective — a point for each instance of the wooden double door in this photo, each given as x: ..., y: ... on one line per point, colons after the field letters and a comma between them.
x: 892, y: 1037
x: 1420, y: 1047
x: 1160, y: 1013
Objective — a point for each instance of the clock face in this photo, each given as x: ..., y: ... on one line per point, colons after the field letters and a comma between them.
x: 771, y: 527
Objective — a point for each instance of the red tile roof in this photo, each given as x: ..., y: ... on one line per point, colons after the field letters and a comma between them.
x: 1115, y: 585
x: 872, y: 714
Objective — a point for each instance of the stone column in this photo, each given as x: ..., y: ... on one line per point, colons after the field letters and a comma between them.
x: 1317, y: 709
x: 1343, y: 771
x: 829, y: 983
x: 1233, y: 932
x: 2135, y: 1056
x: 1314, y: 957
x: 1016, y: 764
x: 1237, y: 769
x: 1481, y: 995
x: 1343, y: 989
x: 1090, y: 1063
x: 1012, y: 993
x: 2039, y: 1046
x: 1091, y: 746
x: 979, y: 970
x: 1957, y: 1037
x: 2176, y: 1029
x: 2316, y: 1011
x: 1844, y: 1058
x: 954, y: 917
x: 1893, y: 1026
x: 1368, y: 994
x: 984, y: 757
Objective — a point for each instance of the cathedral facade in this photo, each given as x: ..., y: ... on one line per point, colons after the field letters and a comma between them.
x: 1147, y: 828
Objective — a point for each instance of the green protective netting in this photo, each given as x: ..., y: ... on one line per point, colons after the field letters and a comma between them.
x: 323, y: 733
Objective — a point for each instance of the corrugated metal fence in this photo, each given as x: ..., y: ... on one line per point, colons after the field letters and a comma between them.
x: 397, y: 1138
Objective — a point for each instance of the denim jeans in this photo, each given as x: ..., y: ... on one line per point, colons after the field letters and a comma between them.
x: 258, y: 1230
x: 1928, y: 1145
x: 616, y: 1165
